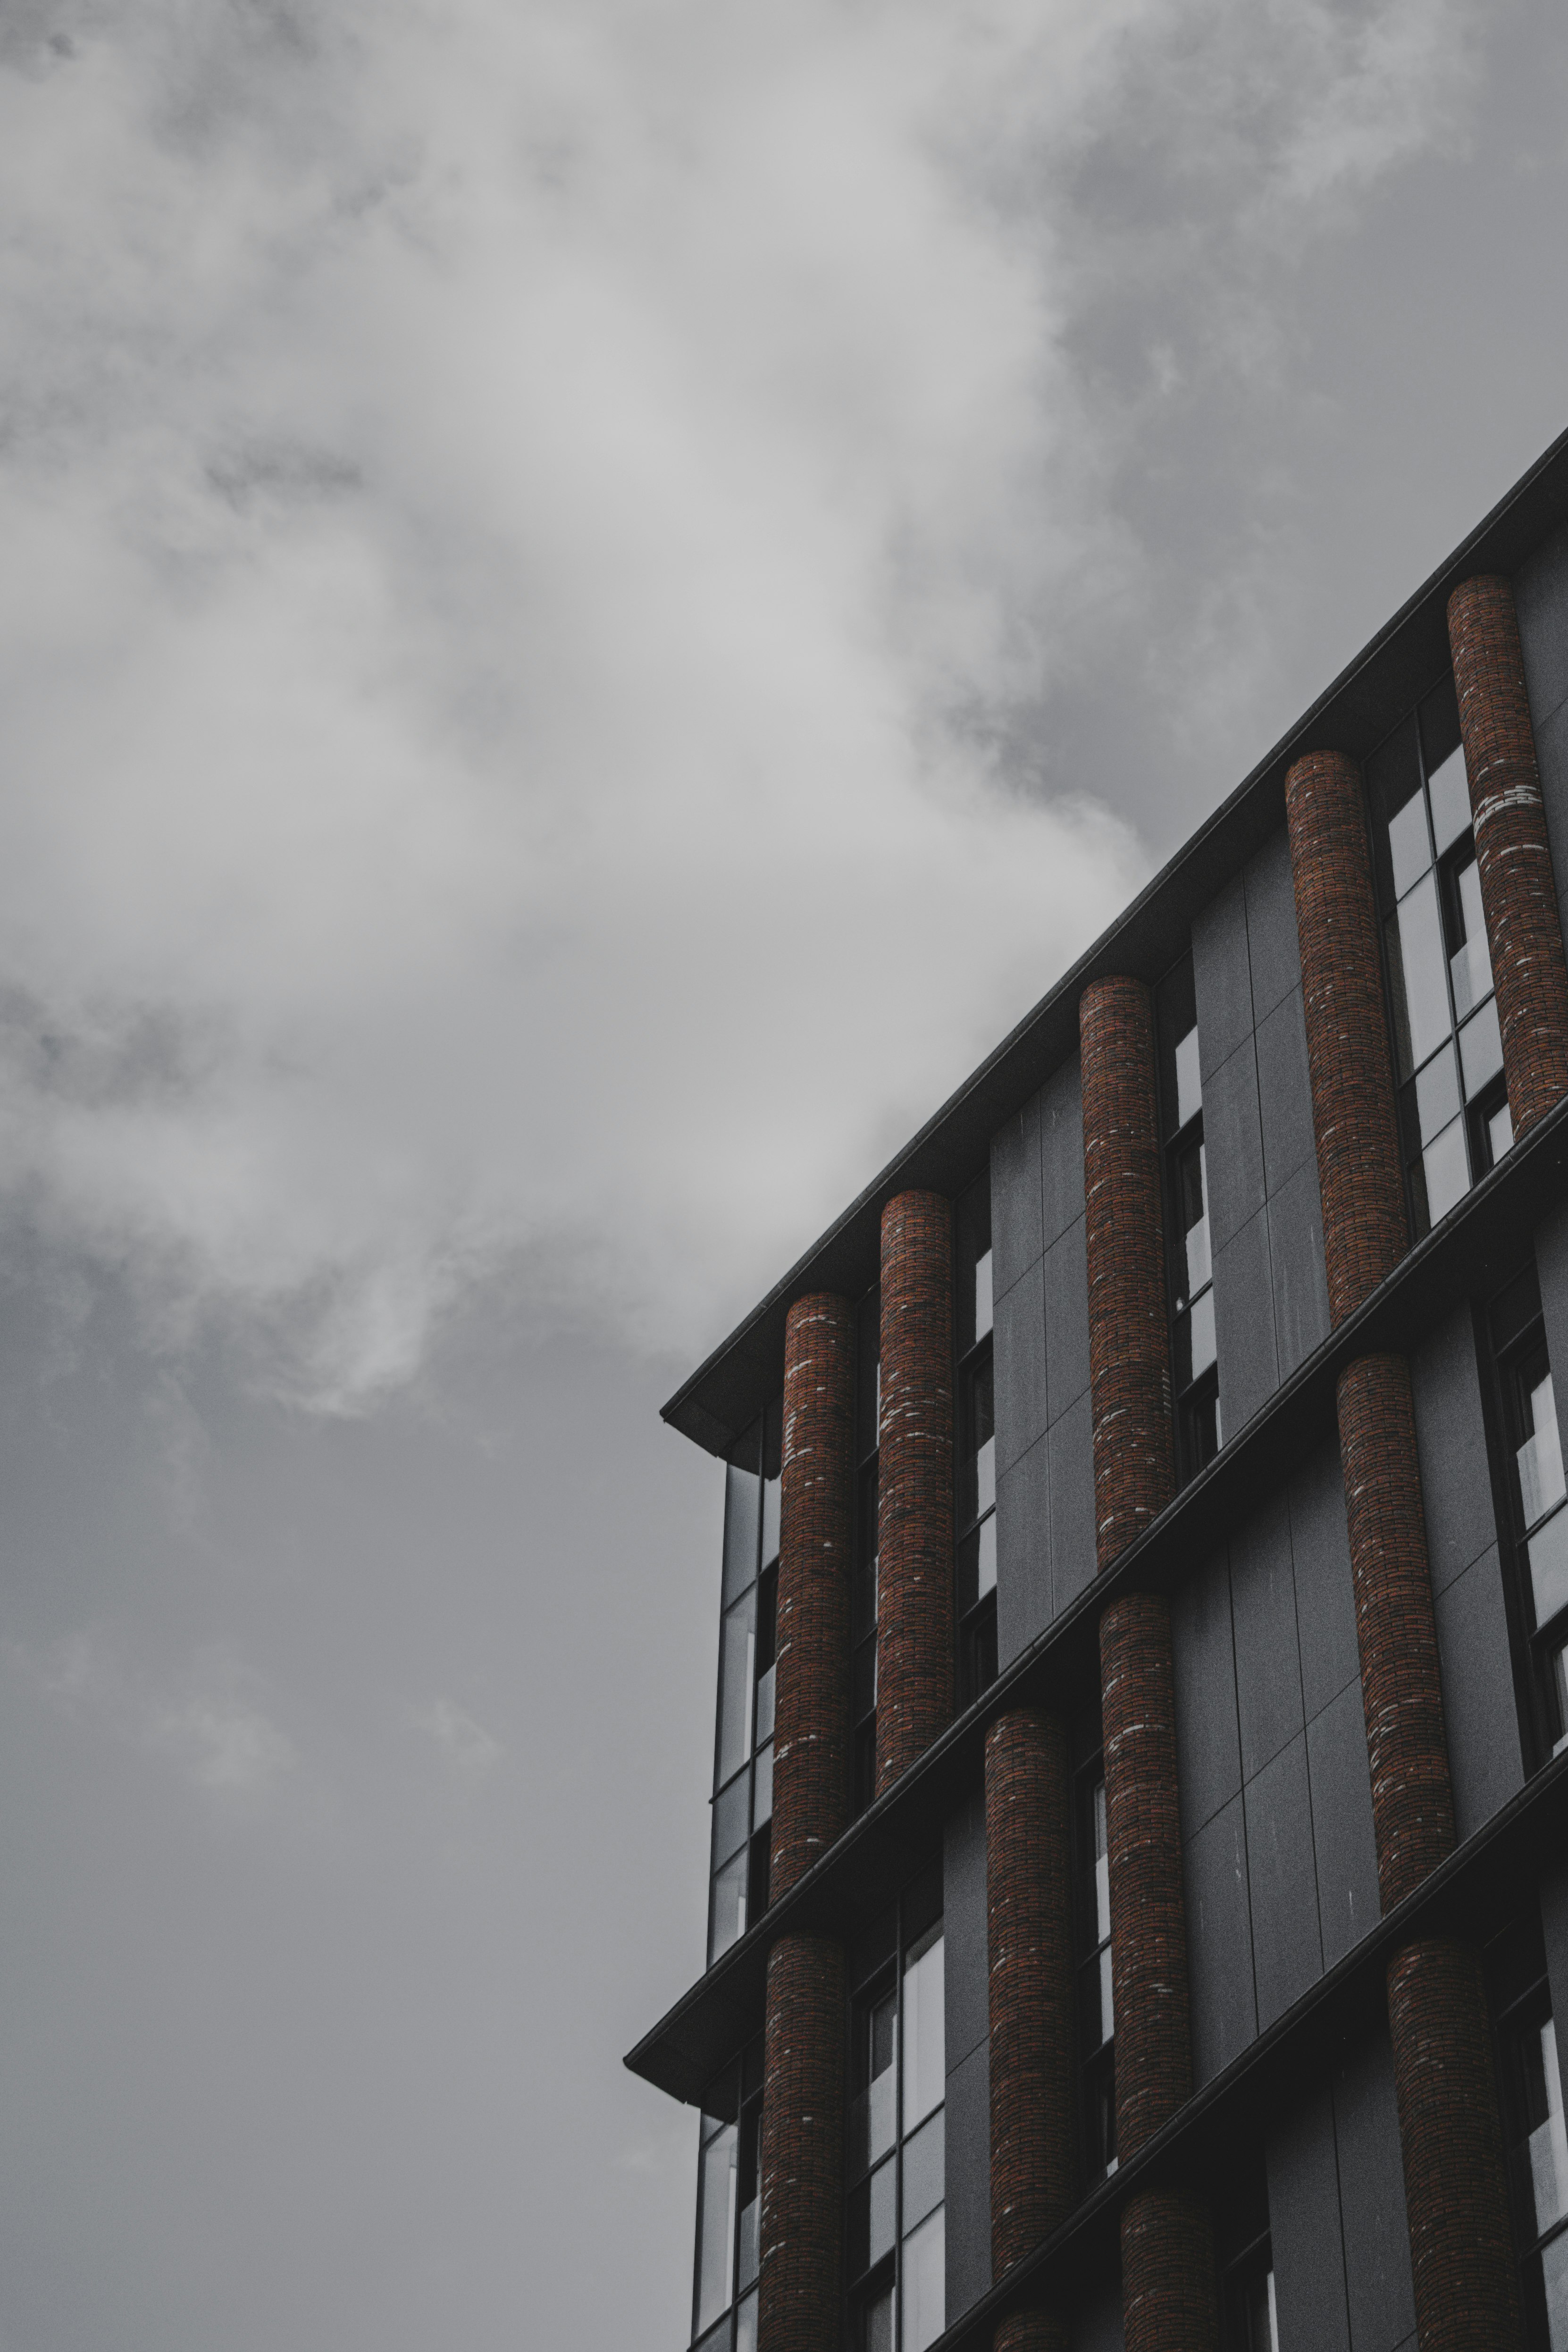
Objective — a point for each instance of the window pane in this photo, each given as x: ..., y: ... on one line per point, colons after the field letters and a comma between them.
x: 1549, y: 1568
x: 1554, y: 2272
x: 1499, y: 1133
x: 1539, y: 1457
x: 715, y: 2226
x: 764, y: 1729
x: 879, y: 2323
x: 1480, y: 1050
x: 1447, y: 1168
x: 925, y: 2284
x: 1102, y: 1867
x: 983, y: 1307
x: 1420, y: 975
x: 1548, y: 2146
x: 745, y: 2325
x: 746, y: 2265
x: 1192, y: 1200
x: 769, y: 1520
x: 719, y: 2341
x: 923, y: 2170
x: 1437, y: 1095
x: 736, y: 1672
x: 728, y: 1906
x: 1096, y: 2007
x: 883, y: 2222
x: 1201, y: 1321
x: 762, y: 1788
x: 1469, y: 967
x: 978, y: 1460
x: 742, y: 1516
x: 985, y: 1567
x: 1409, y: 844
x: 1451, y: 795
x: 730, y: 1823
x: 924, y: 2063
x: 1190, y: 1094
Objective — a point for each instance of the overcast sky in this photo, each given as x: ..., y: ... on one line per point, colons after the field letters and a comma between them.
x: 593, y: 598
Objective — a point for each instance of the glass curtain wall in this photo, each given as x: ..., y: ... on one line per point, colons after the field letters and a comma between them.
x: 724, y: 2294
x: 1096, y: 2008
x: 743, y: 1745
x: 895, y: 2246
x: 1537, y: 1501
x: 862, y: 1595
x: 1448, y: 1049
x: 1536, y: 2146
x: 974, y: 1514
x: 1194, y: 1364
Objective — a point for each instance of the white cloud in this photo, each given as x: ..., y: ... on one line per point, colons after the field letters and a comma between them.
x: 213, y: 1730
x: 470, y: 1751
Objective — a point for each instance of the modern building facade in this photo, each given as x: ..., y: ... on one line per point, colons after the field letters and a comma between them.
x: 1139, y: 1898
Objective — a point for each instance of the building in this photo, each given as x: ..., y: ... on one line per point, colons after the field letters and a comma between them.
x: 1140, y: 1847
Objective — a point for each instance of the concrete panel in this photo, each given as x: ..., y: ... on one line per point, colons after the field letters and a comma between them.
x: 1451, y: 1443
x: 968, y: 2159
x: 1372, y: 2201
x: 1263, y: 1620
x: 1541, y: 594
x: 1555, y: 1931
x: 1219, y: 1949
x: 1060, y: 1151
x: 1233, y: 1145
x: 1208, y: 1753
x: 1343, y: 1843
x: 1325, y: 1596
x: 1222, y: 980
x: 1478, y: 1711
x: 1066, y: 1319
x: 1023, y: 1552
x: 966, y: 1967
x: 1015, y: 1229
x: 1284, y: 1092
x: 1287, y: 1947
x: 1019, y: 1356
x: 1301, y: 1282
x: 1304, y: 2231
x: 1271, y: 943
x: 1070, y: 1449
x: 1244, y: 1325
x: 1097, y: 2321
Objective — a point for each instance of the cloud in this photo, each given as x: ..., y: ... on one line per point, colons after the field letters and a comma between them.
x: 542, y: 544
x: 213, y: 1731
x: 470, y: 1751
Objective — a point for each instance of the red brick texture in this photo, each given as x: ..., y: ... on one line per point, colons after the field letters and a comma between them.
x: 802, y: 2155
x: 1396, y: 1635
x: 914, y: 1497
x: 1169, y: 2299
x: 1034, y: 2331
x: 1129, y: 1329
x: 1518, y: 897
x: 1461, y: 2252
x: 1359, y: 1175
x: 1142, y: 1836
x: 816, y: 1536
x: 1029, y: 1928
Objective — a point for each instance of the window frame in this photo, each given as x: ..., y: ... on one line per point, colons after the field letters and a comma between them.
x: 1197, y: 1431
x: 914, y: 1922
x: 751, y: 1781
x: 1092, y: 1965
x: 974, y: 1364
x: 862, y: 1585
x: 1510, y: 1325
x: 734, y: 2101
x: 1519, y: 2000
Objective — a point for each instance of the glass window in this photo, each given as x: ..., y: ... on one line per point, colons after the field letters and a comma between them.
x: 925, y: 2284
x: 1530, y: 2081
x: 1193, y: 1353
x: 893, y: 2234
x: 717, y: 2213
x: 1096, y: 2004
x: 736, y: 1682
x: 724, y: 2299
x: 742, y: 1513
x: 975, y: 1500
x: 1538, y: 1498
x: 862, y: 1590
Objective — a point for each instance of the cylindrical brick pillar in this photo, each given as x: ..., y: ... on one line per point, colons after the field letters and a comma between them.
x: 1129, y: 1327
x: 915, y: 1483
x: 1359, y: 1176
x: 1028, y: 1927
x: 1168, y: 2299
x: 816, y: 1535
x: 1518, y: 896
x: 801, y: 2227
x: 1034, y: 2331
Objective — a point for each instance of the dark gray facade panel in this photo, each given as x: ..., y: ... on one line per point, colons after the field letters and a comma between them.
x: 1541, y: 594
x: 1071, y: 1505
x: 1263, y: 1621
x: 1060, y: 1151
x: 1019, y: 1349
x: 1023, y: 1552
x: 1097, y: 2321
x: 1284, y: 1092
x: 1271, y: 942
x: 1219, y: 1949
x: 1244, y: 1325
x: 968, y: 2159
x: 965, y: 1967
x: 1378, y: 2288
x: 1304, y: 2230
x: 1066, y: 1319
x: 1222, y: 978
x: 1233, y: 1145
x: 1551, y: 753
x: 1325, y: 1594
x: 1478, y: 1711
x: 1344, y: 1843
x: 1016, y: 1242
x: 1287, y: 1947
x: 1300, y: 1284
x: 1555, y: 1930
x: 1551, y: 1267
x: 1451, y: 1443
x: 1208, y: 1753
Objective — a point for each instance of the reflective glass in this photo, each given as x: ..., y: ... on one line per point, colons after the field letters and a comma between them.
x: 728, y: 1906
x: 719, y: 2341
x: 1420, y: 976
x: 925, y: 2284
x: 872, y: 2116
x: 715, y: 2226
x: 769, y: 1519
x: 1499, y: 1133
x: 1192, y: 1190
x: 762, y: 1788
x: 1102, y: 1867
x: 879, y: 2323
x: 742, y: 1517
x: 1438, y: 1093
x: 924, y: 2063
x: 1189, y: 1093
x: 745, y: 2325
x: 923, y: 2171
x: 1554, y: 2274
x: 1548, y: 2143
x: 765, y: 1688
x: 983, y: 1307
x: 1469, y: 966
x: 1450, y: 796
x: 1549, y: 1568
x: 986, y: 1563
x: 746, y: 2264
x: 883, y: 2222
x: 1095, y: 2001
x: 1540, y: 1458
x: 1195, y: 1340
x: 977, y: 1468
x: 1409, y: 843
x: 1480, y: 1050
x: 730, y: 1812
x: 1447, y: 1168
x: 737, y: 1674
x: 1262, y: 2327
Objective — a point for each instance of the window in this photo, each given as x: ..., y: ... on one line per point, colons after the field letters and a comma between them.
x: 1530, y: 2088
x: 863, y: 1592
x: 1535, y: 1496
x: 743, y: 1743
x: 1195, y: 1366
x: 1251, y: 2324
x: 1096, y: 2007
x: 976, y: 1501
x: 1448, y: 1049
x: 724, y: 2297
x: 894, y: 2242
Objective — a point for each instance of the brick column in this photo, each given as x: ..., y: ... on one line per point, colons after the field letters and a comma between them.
x: 802, y: 2155
x: 816, y: 1534
x: 1518, y: 897
x: 1029, y: 1933
x: 1455, y: 2193
x: 915, y: 1497
x: 1169, y: 2299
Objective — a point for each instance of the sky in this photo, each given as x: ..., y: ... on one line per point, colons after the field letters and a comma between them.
x: 595, y: 599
